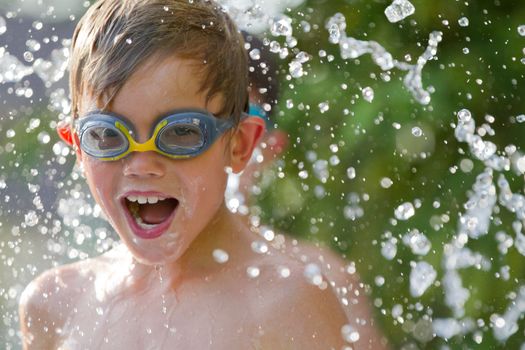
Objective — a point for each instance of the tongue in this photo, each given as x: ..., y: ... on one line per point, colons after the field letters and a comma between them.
x: 154, y: 214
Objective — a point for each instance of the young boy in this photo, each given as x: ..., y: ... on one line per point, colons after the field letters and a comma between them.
x: 158, y: 93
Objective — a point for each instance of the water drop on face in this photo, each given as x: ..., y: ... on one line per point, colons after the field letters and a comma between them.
x: 220, y: 256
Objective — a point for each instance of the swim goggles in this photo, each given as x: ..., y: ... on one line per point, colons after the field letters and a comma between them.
x: 179, y: 134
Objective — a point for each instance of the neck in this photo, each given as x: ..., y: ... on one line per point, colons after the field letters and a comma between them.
x: 226, y: 231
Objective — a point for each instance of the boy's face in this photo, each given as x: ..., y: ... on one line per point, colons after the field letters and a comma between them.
x: 193, y: 188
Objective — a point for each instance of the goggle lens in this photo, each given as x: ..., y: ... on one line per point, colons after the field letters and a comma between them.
x: 101, y: 141
x: 181, y: 137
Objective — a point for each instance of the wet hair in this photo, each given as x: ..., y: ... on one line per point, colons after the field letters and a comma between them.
x: 115, y: 37
x: 262, y: 72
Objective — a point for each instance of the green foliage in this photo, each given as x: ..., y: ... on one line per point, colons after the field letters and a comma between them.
x: 486, y: 80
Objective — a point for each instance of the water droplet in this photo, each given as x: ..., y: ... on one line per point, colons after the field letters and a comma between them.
x: 389, y: 248
x: 464, y: 115
x: 520, y: 164
x: 521, y: 30
x: 253, y: 271
x: 3, y: 25
x: 324, y: 107
x: 283, y: 271
x: 405, y: 211
x: 33, y: 45
x: 398, y: 10
x: 351, y: 173
x: 336, y: 27
x: 281, y: 26
x: 463, y: 22
x: 255, y: 54
x: 520, y: 118
x: 421, y: 277
x: 386, y: 182
x: 31, y: 218
x: 10, y: 133
x: 368, y: 94
x: 296, y: 69
x: 416, y: 131
x: 43, y: 137
x: 312, y: 273
x: 350, y: 334
x: 220, y: 256
x: 417, y: 241
x: 259, y: 247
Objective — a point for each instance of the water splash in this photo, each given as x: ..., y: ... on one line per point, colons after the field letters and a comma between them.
x: 352, y: 48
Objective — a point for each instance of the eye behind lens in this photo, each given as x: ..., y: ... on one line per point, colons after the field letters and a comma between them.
x: 103, y: 141
x: 181, y: 138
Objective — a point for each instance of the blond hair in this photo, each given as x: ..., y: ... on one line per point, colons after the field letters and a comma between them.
x: 115, y: 37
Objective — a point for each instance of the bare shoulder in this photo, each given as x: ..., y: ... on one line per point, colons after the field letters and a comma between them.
x: 47, y: 301
x: 351, y: 292
x: 296, y: 307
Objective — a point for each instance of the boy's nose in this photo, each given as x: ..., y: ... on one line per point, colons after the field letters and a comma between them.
x: 144, y: 164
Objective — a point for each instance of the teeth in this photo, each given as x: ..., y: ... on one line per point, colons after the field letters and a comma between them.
x: 143, y: 225
x: 153, y: 200
x: 145, y: 199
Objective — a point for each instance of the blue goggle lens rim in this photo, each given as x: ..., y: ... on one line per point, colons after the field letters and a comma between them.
x: 101, y: 121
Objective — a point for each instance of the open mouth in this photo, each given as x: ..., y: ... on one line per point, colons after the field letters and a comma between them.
x: 150, y: 216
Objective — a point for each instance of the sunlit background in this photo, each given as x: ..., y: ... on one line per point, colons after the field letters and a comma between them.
x: 406, y: 156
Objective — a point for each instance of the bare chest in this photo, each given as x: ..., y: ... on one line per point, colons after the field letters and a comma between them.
x: 195, y: 317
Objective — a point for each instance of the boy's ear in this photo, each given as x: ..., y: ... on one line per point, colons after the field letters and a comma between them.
x: 69, y: 137
x: 246, y: 137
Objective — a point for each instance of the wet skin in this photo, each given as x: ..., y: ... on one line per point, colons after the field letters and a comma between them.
x: 169, y: 292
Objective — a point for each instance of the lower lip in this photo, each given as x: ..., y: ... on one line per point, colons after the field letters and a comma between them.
x: 153, y: 233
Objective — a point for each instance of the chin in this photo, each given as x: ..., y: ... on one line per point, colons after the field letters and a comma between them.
x: 155, y: 252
